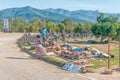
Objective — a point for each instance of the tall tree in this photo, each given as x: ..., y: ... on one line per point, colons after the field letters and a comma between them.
x: 105, y: 26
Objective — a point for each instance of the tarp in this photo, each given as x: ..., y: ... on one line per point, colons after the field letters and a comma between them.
x: 71, y: 67
x: 91, y: 42
x: 78, y: 49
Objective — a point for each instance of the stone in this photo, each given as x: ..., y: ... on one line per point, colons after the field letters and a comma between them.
x: 108, y: 71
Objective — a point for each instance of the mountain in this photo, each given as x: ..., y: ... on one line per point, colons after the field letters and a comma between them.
x: 55, y: 15
x: 29, y: 13
x: 79, y: 15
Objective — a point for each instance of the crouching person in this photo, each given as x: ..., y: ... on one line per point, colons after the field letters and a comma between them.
x: 40, y: 50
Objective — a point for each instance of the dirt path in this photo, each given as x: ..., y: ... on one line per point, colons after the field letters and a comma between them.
x: 17, y: 65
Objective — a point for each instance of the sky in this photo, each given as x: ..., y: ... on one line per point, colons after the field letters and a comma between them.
x: 111, y: 6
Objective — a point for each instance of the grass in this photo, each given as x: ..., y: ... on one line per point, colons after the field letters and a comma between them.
x: 55, y: 60
x: 25, y: 44
x: 32, y: 51
x: 115, y: 60
x: 99, y: 62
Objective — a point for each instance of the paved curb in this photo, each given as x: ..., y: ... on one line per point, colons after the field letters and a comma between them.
x: 42, y: 58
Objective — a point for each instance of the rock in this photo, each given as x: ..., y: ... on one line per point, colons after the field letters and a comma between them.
x: 83, y: 70
x: 108, y: 71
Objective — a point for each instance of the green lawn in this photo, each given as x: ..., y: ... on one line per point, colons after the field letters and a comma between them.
x: 99, y: 62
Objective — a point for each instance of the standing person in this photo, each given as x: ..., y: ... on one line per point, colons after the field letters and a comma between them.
x: 63, y: 35
x: 43, y: 32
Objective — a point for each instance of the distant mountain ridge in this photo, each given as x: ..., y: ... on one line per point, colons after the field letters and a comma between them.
x: 55, y: 15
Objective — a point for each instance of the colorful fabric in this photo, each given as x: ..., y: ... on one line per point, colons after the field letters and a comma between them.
x: 40, y: 50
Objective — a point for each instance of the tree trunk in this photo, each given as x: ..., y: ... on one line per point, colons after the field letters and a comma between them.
x: 102, y: 38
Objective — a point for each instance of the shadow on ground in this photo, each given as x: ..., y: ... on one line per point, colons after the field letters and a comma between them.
x: 19, y: 58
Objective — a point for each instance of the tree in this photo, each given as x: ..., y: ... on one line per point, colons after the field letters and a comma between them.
x: 1, y: 24
x: 69, y: 25
x: 83, y: 28
x: 100, y: 18
x: 105, y: 27
x: 17, y: 24
x: 35, y: 24
x: 61, y: 27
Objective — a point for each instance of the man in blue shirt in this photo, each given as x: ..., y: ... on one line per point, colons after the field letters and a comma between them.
x: 43, y: 32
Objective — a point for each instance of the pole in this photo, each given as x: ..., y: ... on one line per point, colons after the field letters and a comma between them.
x: 119, y: 49
x: 108, y: 52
